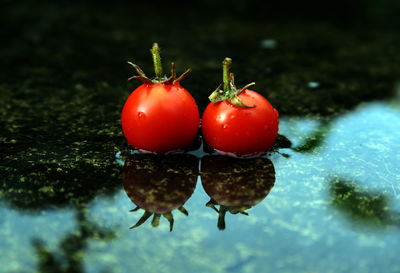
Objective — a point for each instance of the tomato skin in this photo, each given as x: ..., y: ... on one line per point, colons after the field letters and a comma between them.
x: 240, y: 131
x: 160, y: 118
x: 150, y: 184
x: 253, y: 179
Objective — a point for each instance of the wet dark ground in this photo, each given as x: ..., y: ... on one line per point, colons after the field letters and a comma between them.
x: 332, y: 181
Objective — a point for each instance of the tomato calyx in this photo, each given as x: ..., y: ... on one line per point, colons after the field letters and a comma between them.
x: 223, y: 210
x: 156, y: 217
x: 228, y: 90
x: 160, y: 77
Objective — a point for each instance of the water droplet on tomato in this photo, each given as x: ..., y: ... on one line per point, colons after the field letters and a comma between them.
x: 141, y: 115
x: 225, y: 126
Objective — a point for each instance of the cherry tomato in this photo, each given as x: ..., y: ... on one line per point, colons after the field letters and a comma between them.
x: 160, y: 116
x: 240, y: 122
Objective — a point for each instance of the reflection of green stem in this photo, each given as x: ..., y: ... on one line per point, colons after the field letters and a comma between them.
x: 221, y: 217
x: 224, y: 209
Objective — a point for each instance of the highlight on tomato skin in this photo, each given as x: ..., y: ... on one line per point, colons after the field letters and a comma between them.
x: 235, y: 185
x: 160, y: 116
x: 239, y: 122
x: 160, y: 184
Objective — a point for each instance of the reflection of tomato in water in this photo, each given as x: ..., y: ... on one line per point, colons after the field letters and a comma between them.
x: 160, y: 116
x: 235, y: 184
x: 239, y: 122
x: 160, y: 184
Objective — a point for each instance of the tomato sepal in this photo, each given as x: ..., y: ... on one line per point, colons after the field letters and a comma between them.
x: 152, y: 119
x: 228, y: 90
x: 160, y: 77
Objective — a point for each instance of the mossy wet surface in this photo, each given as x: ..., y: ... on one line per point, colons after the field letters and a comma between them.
x: 62, y: 88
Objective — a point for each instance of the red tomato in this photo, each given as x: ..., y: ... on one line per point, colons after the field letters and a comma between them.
x: 239, y: 122
x: 240, y: 131
x: 160, y: 118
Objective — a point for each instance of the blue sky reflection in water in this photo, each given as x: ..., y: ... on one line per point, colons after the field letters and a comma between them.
x: 305, y: 223
x: 298, y: 227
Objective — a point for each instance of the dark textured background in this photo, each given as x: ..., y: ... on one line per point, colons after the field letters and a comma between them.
x: 63, y: 74
x: 63, y: 81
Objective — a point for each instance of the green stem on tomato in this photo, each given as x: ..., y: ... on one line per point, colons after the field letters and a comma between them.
x: 226, y: 65
x: 229, y: 92
x: 155, y: 52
